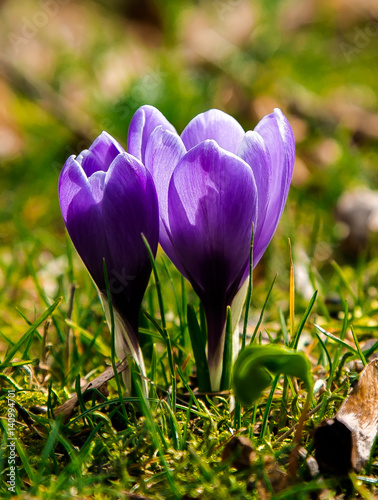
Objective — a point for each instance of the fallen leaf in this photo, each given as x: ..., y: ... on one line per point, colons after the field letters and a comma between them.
x: 344, y: 442
x: 239, y: 451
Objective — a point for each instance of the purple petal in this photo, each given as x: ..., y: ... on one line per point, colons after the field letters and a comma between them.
x: 100, y: 154
x: 97, y: 184
x: 143, y: 123
x: 217, y: 125
x: 279, y: 139
x: 72, y: 179
x: 212, y: 204
x: 82, y: 216
x: 129, y: 208
x: 163, y: 152
x: 254, y: 152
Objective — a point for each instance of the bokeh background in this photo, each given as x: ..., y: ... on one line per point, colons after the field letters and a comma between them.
x: 70, y: 69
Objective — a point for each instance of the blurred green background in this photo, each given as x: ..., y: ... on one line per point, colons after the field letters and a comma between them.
x: 70, y: 69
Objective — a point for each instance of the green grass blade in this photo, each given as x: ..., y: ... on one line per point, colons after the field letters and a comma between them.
x: 180, y: 302
x: 262, y: 311
x: 264, y: 423
x: 301, y: 325
x: 285, y: 333
x: 198, y: 342
x: 360, y: 353
x: 192, y: 395
x: 336, y: 339
x: 227, y: 354
x: 25, y: 462
x: 334, y: 365
x: 153, y: 371
x: 325, y: 350
x: 370, y: 351
x: 343, y: 278
x: 237, y: 415
x: 249, y: 291
x: 29, y: 333
x: 174, y: 426
x: 184, y: 302
x: 291, y: 293
x: 202, y: 322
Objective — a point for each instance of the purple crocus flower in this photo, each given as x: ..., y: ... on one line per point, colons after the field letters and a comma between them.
x: 107, y: 198
x: 213, y: 182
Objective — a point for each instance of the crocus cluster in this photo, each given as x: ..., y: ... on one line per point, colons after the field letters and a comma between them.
x: 199, y: 194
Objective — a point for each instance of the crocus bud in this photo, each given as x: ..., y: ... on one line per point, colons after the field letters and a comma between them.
x: 213, y: 183
x: 108, y: 199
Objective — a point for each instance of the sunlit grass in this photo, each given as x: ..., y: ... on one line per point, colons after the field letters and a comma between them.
x: 53, y: 335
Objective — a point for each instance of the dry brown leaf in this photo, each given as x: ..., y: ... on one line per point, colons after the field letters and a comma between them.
x: 239, y: 451
x: 344, y: 442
